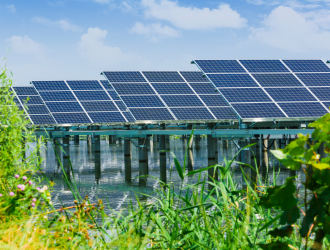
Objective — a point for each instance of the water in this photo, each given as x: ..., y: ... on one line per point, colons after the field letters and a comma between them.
x: 108, y: 183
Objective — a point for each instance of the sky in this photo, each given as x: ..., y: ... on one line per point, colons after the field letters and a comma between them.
x: 78, y: 39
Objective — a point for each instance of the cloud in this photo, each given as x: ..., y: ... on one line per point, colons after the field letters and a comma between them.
x: 102, y: 1
x: 155, y: 30
x: 11, y: 8
x: 287, y: 29
x: 25, y: 45
x: 193, y: 18
x: 92, y: 46
x: 63, y: 24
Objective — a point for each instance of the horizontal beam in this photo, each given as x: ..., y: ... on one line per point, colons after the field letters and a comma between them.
x: 223, y: 133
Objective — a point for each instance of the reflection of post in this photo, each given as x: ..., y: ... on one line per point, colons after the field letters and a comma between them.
x: 97, y: 157
x: 162, y: 157
x: 66, y: 155
x: 76, y: 139
x: 143, y: 161
x: 127, y: 156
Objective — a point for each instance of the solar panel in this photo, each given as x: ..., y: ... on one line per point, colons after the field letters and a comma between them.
x: 50, y: 85
x: 113, y: 95
x: 172, y: 88
x: 29, y: 100
x: 192, y: 113
x: 129, y: 117
x: 245, y: 95
x: 290, y: 94
x: 260, y: 110
x: 71, y: 118
x: 99, y: 106
x: 124, y: 76
x: 105, y: 117
x: 25, y: 91
x: 322, y: 93
x: 106, y: 85
x: 37, y: 110
x: 214, y: 100
x: 307, y: 65
x: 60, y: 107
x: 223, y: 112
x: 85, y: 85
x: 182, y: 100
x: 277, y: 80
x: 57, y: 96
x: 91, y: 95
x: 142, y: 101
x: 258, y: 66
x: 194, y: 76
x: 220, y: 66
x: 120, y: 105
x: 232, y: 80
x: 327, y: 105
x: 152, y: 114
x: 310, y: 79
x: 204, y: 88
x: 42, y: 119
x: 303, y: 109
x: 133, y: 88
x: 163, y: 76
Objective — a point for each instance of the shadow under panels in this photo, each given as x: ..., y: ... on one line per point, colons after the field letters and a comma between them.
x: 36, y: 110
x: 169, y: 95
x: 77, y: 102
x: 271, y: 88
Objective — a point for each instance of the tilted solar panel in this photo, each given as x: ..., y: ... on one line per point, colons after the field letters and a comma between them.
x: 306, y: 66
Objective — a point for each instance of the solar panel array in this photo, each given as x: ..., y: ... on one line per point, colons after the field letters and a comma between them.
x: 169, y: 95
x: 80, y: 102
x: 29, y: 100
x: 271, y: 88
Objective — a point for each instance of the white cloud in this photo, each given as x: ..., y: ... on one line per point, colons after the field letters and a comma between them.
x: 193, y: 18
x: 102, y: 1
x: 92, y: 46
x: 63, y: 24
x: 25, y: 45
x: 287, y: 29
x: 155, y: 30
x: 11, y: 8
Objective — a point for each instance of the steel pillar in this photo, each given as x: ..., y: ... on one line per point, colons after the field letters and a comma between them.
x: 162, y: 157
x: 76, y: 139
x: 23, y: 148
x: 245, y: 158
x: 58, y: 151
x: 128, y: 160
x: 255, y: 160
x: 97, y: 143
x: 92, y: 138
x: 66, y: 156
x: 143, y: 161
x: 264, y: 157
x: 212, y: 145
x: 154, y: 138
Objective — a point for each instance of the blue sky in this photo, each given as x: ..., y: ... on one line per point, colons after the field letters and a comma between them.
x: 77, y: 39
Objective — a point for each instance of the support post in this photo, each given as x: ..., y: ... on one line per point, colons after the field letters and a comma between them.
x: 245, y: 158
x: 23, y: 148
x: 66, y: 156
x: 292, y: 172
x: 211, y: 154
x: 154, y: 138
x: 264, y: 157
x: 58, y: 152
x: 162, y: 157
x: 39, y: 148
x: 255, y: 160
x: 76, y: 139
x: 127, y: 159
x: 93, y: 138
x: 143, y: 161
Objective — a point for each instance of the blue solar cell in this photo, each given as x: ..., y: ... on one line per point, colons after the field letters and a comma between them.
x: 163, y: 76
x: 192, y: 114
x: 129, y: 117
x: 213, y: 100
x: 50, y: 85
x: 151, y: 114
x: 99, y: 106
x: 85, y: 85
x: 224, y: 113
x: 319, y: 79
x: 290, y: 94
x: 16, y: 100
x: 327, y: 104
x: 258, y: 110
x: 204, y: 88
x: 142, y: 101
x: 91, y: 95
x: 104, y: 117
x: 277, y: 80
x: 182, y: 100
x: 57, y: 96
x: 124, y: 76
x: 303, y: 109
x: 42, y: 119
x: 113, y: 95
x: 25, y: 91
x: 133, y: 88
x: 120, y: 105
x: 220, y: 66
x: 64, y: 107
x: 172, y: 88
x: 258, y: 66
x: 193, y: 76
x: 32, y: 100
x: 307, y: 65
x: 71, y: 118
x: 322, y: 93
x: 245, y: 95
x: 106, y: 85
x: 232, y: 80
x: 37, y: 110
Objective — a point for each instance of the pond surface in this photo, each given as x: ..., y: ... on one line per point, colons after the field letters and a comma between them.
x: 110, y: 184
